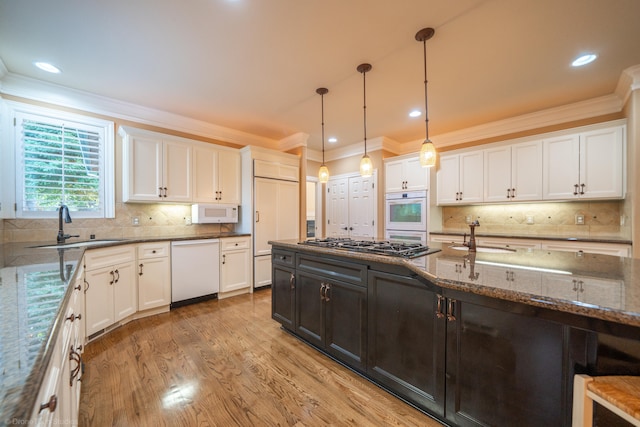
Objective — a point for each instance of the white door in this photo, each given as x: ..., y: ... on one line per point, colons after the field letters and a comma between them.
x: 205, y: 183
x: 448, y: 180
x: 266, y: 214
x: 560, y: 167
x: 361, y: 207
x: 471, y: 172
x: 526, y: 171
x: 497, y: 176
x: 144, y: 170
x: 177, y: 172
x: 337, y: 207
x: 601, y: 168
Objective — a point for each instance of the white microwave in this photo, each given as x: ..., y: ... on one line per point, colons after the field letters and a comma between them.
x: 214, y: 213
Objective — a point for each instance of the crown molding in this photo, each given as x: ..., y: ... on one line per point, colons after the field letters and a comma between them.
x: 603, y: 105
x: 293, y: 141
x: 37, y: 90
x: 629, y: 81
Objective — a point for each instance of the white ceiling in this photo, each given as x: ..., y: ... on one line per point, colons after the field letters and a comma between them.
x: 254, y: 65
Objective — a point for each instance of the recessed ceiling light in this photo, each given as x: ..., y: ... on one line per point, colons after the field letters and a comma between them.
x: 415, y: 113
x: 45, y: 66
x: 584, y: 60
x: 332, y: 139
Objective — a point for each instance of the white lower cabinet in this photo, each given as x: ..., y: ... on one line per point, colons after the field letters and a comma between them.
x: 154, y: 275
x: 111, y: 293
x: 235, y: 264
x: 59, y: 396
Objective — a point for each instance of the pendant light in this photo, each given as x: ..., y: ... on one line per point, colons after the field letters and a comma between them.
x: 323, y: 172
x: 427, y: 150
x: 366, y: 167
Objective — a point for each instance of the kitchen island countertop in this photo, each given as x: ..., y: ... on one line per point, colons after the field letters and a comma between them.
x: 34, y: 286
x: 598, y: 286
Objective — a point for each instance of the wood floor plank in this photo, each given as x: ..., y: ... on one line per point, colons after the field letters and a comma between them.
x: 226, y: 363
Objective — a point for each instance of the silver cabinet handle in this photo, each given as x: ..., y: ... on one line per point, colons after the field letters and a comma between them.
x: 257, y: 216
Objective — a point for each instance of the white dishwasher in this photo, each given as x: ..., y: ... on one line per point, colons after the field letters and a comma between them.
x: 195, y: 270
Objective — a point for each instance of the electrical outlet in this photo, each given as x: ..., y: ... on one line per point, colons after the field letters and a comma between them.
x: 579, y: 219
x: 530, y: 219
x: 187, y: 220
x: 135, y: 221
x: 467, y: 219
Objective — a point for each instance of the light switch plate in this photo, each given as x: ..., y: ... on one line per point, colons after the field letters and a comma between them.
x: 579, y: 219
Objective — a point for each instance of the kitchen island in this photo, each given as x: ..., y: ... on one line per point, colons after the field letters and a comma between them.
x: 471, y: 339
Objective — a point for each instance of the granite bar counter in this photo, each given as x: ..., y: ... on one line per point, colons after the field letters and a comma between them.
x: 34, y: 286
x: 598, y: 286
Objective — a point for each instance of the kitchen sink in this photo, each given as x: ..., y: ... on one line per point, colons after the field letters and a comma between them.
x: 487, y: 249
x: 77, y: 244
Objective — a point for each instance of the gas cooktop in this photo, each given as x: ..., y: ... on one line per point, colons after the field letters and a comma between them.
x: 380, y: 247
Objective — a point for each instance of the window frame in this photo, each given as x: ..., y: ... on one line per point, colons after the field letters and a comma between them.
x: 107, y: 150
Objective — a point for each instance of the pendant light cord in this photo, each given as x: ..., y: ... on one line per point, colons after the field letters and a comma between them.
x: 364, y: 108
x: 322, y: 102
x: 426, y: 110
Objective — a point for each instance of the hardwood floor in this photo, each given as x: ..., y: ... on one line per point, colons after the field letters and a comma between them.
x: 226, y: 363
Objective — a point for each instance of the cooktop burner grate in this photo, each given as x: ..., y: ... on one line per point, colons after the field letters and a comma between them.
x: 381, y: 247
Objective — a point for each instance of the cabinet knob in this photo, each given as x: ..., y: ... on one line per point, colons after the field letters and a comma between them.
x: 51, y: 404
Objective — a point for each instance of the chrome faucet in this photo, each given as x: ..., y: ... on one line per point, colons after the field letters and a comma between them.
x: 63, y: 210
x: 472, y: 237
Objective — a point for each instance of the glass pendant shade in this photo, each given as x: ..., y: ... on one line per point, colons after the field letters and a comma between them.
x: 323, y: 174
x: 427, y: 154
x: 366, y: 167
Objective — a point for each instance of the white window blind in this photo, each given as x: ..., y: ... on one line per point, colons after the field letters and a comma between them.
x: 63, y: 160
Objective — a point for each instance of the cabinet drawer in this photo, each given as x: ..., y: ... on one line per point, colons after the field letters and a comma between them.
x: 232, y: 243
x: 278, y: 256
x: 153, y: 250
x: 98, y: 258
x: 347, y: 271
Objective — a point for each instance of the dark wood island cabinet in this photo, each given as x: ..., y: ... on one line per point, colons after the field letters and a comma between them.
x: 459, y: 349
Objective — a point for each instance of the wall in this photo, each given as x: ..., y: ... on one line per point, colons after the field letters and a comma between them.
x: 602, y: 219
x: 156, y: 220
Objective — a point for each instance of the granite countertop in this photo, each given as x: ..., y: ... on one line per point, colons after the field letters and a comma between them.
x: 599, y: 286
x: 34, y: 286
x: 600, y: 239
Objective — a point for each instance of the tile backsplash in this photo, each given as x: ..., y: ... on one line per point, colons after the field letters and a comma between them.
x: 601, y: 219
x: 155, y: 220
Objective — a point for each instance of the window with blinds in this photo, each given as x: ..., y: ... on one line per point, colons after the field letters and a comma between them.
x: 63, y: 160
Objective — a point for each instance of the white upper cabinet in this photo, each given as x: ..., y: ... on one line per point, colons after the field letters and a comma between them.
x: 216, y: 175
x: 513, y: 172
x: 586, y: 165
x: 405, y: 174
x: 155, y: 169
x: 460, y: 178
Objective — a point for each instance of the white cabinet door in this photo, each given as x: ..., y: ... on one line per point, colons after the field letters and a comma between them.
x: 497, y: 174
x: 154, y: 282
x: 99, y: 299
x: 448, y: 180
x: 561, y: 167
x: 229, y: 181
x: 405, y: 175
x: 177, y: 172
x: 416, y: 176
x: 143, y: 180
x: 235, y: 264
x: 205, y: 177
x: 288, y: 203
x: 588, y: 165
x: 601, y: 163
x: 526, y: 171
x: 394, y: 176
x: 125, y: 292
x: 471, y: 177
